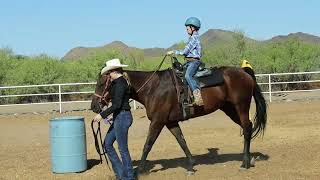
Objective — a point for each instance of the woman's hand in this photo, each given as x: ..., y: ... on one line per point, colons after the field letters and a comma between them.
x: 108, y: 120
x: 97, y: 118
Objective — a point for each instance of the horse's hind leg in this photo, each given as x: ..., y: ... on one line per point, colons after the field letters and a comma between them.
x: 176, y: 131
x: 231, y: 111
x: 240, y: 115
x: 243, y: 112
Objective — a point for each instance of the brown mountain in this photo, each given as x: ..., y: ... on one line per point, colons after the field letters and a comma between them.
x: 78, y: 52
x: 217, y: 36
x: 303, y: 37
x: 210, y: 38
x: 154, y: 52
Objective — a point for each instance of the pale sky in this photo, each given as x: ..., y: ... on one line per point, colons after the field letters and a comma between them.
x: 55, y: 26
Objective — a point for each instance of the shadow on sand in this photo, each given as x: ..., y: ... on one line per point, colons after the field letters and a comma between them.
x: 210, y: 158
x: 92, y: 162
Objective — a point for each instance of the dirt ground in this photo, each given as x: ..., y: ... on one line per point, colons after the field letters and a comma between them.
x: 289, y: 149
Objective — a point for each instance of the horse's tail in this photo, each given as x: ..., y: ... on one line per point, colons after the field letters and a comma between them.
x: 260, y: 119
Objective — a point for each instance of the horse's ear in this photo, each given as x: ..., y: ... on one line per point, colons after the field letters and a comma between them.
x: 99, y: 76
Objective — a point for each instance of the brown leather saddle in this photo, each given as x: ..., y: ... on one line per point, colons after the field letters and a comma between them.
x: 206, y: 77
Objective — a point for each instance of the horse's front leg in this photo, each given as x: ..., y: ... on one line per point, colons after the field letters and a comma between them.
x: 154, y: 131
x: 176, y: 131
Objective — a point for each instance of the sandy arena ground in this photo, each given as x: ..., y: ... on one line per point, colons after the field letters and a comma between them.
x: 289, y: 149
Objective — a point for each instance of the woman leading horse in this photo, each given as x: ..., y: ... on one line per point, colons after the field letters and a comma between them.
x: 157, y: 92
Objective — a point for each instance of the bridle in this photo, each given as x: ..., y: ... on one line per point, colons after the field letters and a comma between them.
x: 105, y: 93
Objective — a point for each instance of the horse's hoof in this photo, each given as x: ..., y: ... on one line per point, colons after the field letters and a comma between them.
x: 190, y: 173
x: 244, y: 167
x: 252, y: 162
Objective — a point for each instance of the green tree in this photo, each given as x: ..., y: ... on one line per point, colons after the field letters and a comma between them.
x: 240, y: 43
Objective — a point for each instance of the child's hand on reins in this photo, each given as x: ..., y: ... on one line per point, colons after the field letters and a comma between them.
x: 170, y: 53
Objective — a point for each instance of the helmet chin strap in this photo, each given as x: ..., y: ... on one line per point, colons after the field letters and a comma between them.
x: 192, y: 30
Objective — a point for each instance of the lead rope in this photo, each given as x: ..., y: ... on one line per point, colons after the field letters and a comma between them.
x: 96, y: 143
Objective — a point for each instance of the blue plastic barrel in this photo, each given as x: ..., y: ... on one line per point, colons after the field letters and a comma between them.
x: 68, y: 144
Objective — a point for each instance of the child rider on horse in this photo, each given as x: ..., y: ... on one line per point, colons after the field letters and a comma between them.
x: 192, y: 54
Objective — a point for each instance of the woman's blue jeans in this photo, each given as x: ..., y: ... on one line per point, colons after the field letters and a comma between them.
x: 192, y: 67
x: 119, y: 132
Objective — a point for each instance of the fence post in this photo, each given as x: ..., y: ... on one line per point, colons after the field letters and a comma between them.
x: 60, y: 105
x: 270, y: 88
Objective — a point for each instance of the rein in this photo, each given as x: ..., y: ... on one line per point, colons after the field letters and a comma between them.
x: 96, y: 143
x: 154, y: 72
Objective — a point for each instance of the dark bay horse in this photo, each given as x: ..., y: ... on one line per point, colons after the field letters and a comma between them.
x: 156, y: 91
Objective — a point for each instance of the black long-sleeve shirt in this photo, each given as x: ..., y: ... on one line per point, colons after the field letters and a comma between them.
x: 120, y: 94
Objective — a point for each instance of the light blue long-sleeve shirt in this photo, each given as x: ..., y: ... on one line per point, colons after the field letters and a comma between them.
x: 193, y: 47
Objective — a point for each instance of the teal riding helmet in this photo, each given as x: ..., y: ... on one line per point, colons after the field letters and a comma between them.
x: 193, y: 21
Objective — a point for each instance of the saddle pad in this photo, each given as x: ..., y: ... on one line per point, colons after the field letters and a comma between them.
x: 215, y: 79
x: 205, y: 72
